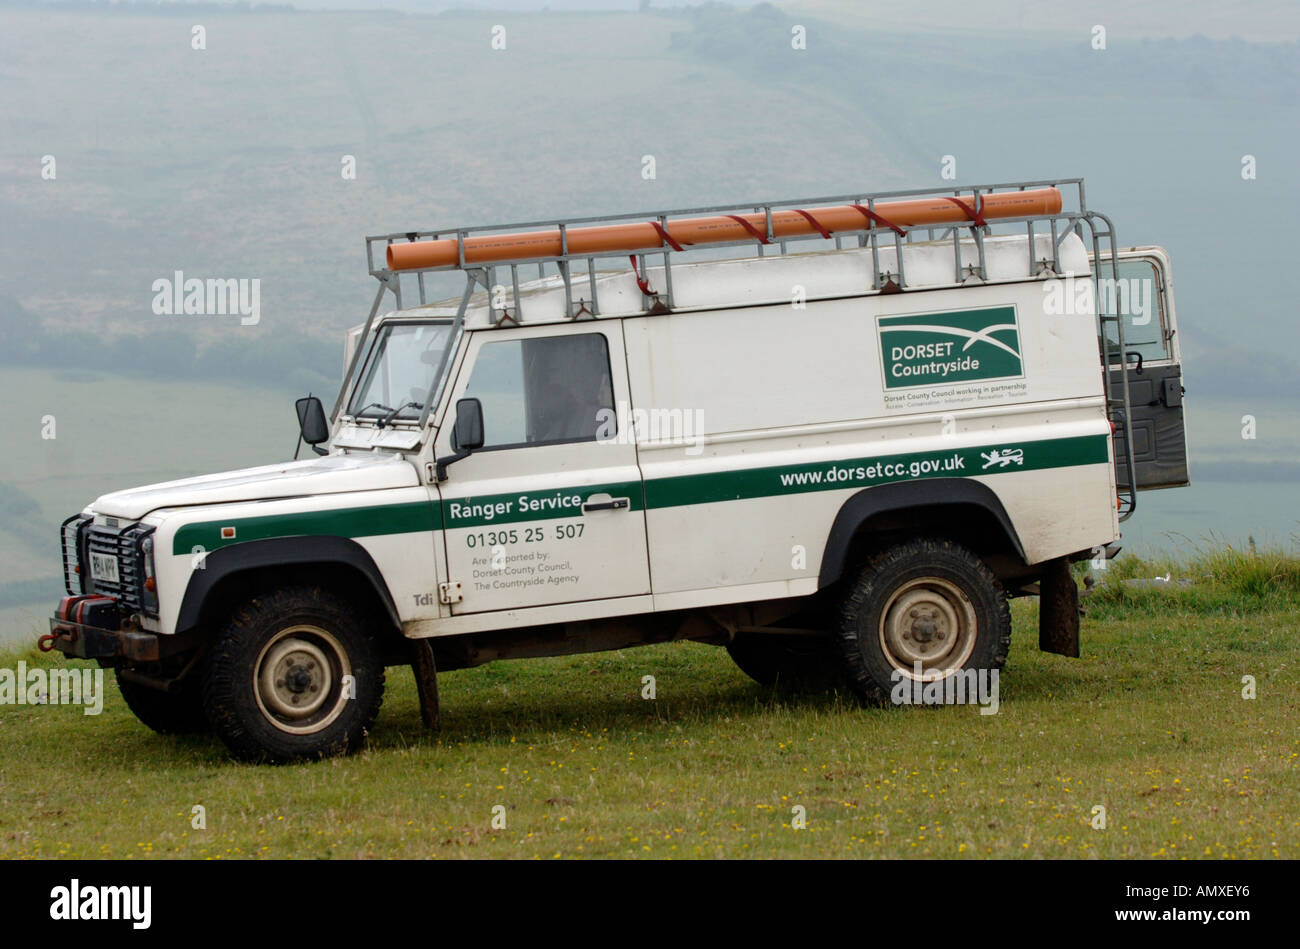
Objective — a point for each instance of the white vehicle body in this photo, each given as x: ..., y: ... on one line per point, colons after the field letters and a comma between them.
x: 742, y: 444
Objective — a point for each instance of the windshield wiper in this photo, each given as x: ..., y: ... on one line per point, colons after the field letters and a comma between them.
x: 393, y: 413
x: 372, y: 405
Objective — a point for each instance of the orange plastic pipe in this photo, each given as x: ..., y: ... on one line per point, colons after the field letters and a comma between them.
x: 418, y: 255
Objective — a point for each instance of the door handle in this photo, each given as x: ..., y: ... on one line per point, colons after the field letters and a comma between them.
x: 615, y: 504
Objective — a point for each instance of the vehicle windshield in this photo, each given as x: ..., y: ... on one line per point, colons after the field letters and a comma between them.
x: 400, y: 371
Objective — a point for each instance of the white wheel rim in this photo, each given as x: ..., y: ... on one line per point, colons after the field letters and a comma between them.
x: 928, y: 620
x: 299, y: 679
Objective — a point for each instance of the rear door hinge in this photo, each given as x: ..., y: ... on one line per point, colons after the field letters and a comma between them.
x: 449, y: 592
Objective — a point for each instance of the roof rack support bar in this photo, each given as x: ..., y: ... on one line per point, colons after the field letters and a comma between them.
x: 356, y: 353
x: 956, y: 255
x: 668, y: 270
x: 978, y: 233
x: 875, y: 249
x: 591, y: 281
x: 862, y: 234
x: 435, y: 390
x: 419, y: 277
x: 514, y: 282
x: 563, y: 266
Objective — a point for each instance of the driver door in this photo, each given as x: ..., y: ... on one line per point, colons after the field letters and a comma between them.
x: 551, y: 509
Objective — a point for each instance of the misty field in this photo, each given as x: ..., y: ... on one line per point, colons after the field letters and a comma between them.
x: 112, y: 433
x: 1150, y: 724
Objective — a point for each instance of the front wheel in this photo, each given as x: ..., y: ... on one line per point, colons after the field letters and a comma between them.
x: 922, y: 611
x: 293, y: 675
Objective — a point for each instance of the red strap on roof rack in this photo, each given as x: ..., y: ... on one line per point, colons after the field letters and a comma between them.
x: 876, y: 219
x: 643, y: 283
x: 814, y: 222
x: 976, y: 216
x: 754, y: 232
x: 664, y: 236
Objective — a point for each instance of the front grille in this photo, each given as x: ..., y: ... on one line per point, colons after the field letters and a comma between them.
x: 70, y: 537
x: 125, y: 545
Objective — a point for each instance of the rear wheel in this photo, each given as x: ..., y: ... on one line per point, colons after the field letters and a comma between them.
x: 293, y: 675
x: 922, y: 611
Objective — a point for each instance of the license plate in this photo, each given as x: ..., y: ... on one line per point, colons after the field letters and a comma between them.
x: 104, y: 567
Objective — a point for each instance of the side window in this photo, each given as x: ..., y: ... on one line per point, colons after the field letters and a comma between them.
x: 543, y: 391
x: 1139, y: 302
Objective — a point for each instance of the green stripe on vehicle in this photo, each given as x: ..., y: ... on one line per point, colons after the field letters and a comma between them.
x: 679, y: 491
x: 875, y: 470
x: 371, y: 521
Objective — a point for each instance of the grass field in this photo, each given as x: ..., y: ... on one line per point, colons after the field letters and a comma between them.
x: 1151, y: 724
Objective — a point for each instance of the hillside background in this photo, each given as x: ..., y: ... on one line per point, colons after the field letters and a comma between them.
x: 226, y: 161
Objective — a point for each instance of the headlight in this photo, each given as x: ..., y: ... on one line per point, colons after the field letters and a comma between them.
x: 149, y: 593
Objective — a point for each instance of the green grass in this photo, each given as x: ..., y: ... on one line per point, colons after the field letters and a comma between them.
x: 1225, y: 580
x: 1150, y: 723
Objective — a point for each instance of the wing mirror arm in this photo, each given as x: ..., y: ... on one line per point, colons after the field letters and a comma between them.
x: 466, y: 435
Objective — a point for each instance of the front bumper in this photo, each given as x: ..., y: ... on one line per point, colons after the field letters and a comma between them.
x: 82, y: 641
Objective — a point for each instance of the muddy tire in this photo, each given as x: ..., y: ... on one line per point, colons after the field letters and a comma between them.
x: 926, y: 600
x: 277, y: 686
x: 168, y: 713
x: 795, y: 662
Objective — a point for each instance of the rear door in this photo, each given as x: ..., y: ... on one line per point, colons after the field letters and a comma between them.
x: 551, y: 510
x: 1145, y: 300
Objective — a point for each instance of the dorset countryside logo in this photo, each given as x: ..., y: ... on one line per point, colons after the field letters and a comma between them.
x: 934, y: 349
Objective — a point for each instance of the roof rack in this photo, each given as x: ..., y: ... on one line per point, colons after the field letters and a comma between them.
x: 581, y: 297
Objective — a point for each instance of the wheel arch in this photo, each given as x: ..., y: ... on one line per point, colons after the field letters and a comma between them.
x: 958, y: 507
x: 237, y: 568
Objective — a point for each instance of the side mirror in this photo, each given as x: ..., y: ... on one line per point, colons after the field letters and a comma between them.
x: 313, y: 428
x: 468, y: 433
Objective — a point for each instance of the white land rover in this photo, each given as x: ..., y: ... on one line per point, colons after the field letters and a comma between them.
x: 833, y: 436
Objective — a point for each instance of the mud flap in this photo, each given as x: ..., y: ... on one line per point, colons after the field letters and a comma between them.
x: 1058, y: 610
x: 426, y: 682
